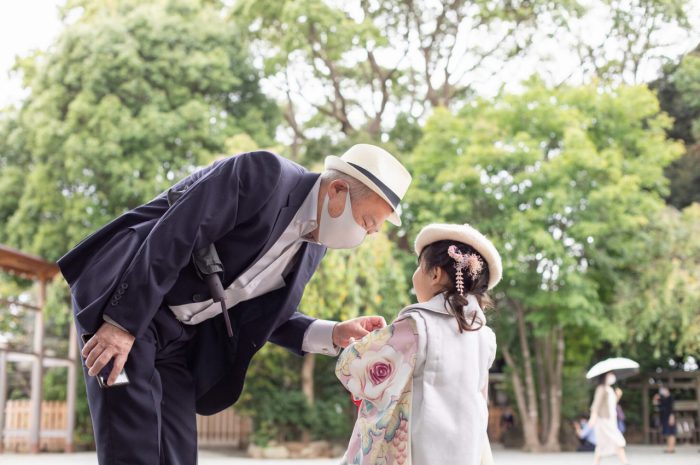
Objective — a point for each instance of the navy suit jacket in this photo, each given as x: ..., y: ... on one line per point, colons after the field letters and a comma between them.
x: 141, y: 261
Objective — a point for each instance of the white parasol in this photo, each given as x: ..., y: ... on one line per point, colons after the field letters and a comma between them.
x: 622, y: 367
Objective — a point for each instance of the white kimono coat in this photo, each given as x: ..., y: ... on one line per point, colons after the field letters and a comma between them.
x: 423, y: 389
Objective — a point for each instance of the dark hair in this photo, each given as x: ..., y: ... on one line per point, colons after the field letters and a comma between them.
x: 435, y: 256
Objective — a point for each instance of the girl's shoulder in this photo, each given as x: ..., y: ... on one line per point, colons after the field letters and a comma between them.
x: 422, y: 320
x: 488, y: 334
x: 489, y: 341
x: 601, y: 389
x: 406, y: 324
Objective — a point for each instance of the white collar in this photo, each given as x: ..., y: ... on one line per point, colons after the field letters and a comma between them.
x: 306, y: 217
x: 438, y: 305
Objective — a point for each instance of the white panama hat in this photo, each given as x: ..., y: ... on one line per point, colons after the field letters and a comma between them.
x: 377, y: 169
x: 467, y: 235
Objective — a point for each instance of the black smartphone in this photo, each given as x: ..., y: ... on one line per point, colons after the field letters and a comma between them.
x: 103, y: 375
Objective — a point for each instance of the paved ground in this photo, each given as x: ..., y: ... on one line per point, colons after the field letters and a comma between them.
x: 638, y: 455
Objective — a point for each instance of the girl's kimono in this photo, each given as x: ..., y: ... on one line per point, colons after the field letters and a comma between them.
x: 423, y: 388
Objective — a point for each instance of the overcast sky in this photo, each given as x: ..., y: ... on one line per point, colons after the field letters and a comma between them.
x: 26, y: 25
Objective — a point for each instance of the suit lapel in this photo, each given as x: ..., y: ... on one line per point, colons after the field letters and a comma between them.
x: 284, y: 217
x: 308, y: 262
x: 310, y: 256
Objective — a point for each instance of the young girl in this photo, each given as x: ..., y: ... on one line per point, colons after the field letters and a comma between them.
x: 423, y: 380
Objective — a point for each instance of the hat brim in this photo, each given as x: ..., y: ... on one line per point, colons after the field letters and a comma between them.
x: 336, y: 163
x: 467, y: 235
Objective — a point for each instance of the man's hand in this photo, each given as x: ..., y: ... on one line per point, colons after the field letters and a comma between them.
x: 346, y: 332
x: 107, y: 343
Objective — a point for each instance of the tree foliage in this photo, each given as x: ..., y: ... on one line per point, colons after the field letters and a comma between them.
x: 127, y: 101
x: 562, y: 181
x: 350, y: 67
x: 679, y: 94
x: 658, y: 301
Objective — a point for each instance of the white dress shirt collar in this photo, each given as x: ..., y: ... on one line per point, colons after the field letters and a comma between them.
x: 306, y: 218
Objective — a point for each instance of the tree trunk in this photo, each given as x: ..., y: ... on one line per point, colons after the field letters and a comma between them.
x: 532, y: 416
x: 542, y: 347
x: 307, y: 377
x: 555, y: 392
x: 532, y: 442
x: 307, y: 386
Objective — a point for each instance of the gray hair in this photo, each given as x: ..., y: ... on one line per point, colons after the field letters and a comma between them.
x: 358, y: 189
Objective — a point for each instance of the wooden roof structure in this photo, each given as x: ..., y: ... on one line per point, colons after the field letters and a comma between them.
x: 25, y: 265
x: 687, y: 411
x: 40, y: 271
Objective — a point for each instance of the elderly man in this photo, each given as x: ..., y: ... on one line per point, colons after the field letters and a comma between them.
x: 143, y: 285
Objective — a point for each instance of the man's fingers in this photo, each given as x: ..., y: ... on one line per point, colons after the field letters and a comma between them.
x: 119, y: 362
x: 346, y: 342
x: 350, y: 331
x: 89, y: 345
x: 93, y: 355
x: 347, y: 332
x: 359, y: 333
x: 101, y: 361
x: 370, y: 323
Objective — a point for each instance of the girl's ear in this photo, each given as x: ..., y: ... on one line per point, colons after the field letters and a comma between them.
x: 436, y: 275
x: 439, y: 277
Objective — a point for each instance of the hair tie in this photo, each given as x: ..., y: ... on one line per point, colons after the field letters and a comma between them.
x: 470, y: 261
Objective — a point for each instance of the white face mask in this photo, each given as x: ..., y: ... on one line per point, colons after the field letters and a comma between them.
x: 341, y: 232
x: 610, y: 379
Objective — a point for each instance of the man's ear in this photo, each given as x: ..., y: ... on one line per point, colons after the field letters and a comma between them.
x: 336, y: 193
x: 336, y: 187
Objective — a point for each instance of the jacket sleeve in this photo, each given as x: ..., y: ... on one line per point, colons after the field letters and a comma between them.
x: 231, y: 192
x: 290, y: 334
x: 378, y: 367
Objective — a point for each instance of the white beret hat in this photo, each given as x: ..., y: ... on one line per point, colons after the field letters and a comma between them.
x: 467, y: 235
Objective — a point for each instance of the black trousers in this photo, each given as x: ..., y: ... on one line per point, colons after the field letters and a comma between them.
x: 150, y: 421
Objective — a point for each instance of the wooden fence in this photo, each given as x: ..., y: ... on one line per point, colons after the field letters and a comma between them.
x: 53, y: 426
x: 225, y: 429
x: 495, y: 429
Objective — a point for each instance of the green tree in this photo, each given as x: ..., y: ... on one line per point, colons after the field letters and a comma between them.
x: 632, y: 34
x: 679, y: 95
x: 348, y: 68
x: 131, y: 97
x: 342, y: 68
x: 658, y: 303
x: 562, y: 180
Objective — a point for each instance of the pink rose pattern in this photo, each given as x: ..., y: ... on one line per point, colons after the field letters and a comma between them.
x: 379, y: 370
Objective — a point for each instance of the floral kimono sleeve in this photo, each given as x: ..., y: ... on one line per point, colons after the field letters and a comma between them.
x: 379, y: 370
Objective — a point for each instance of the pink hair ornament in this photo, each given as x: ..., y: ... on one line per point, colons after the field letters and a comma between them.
x: 469, y: 261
